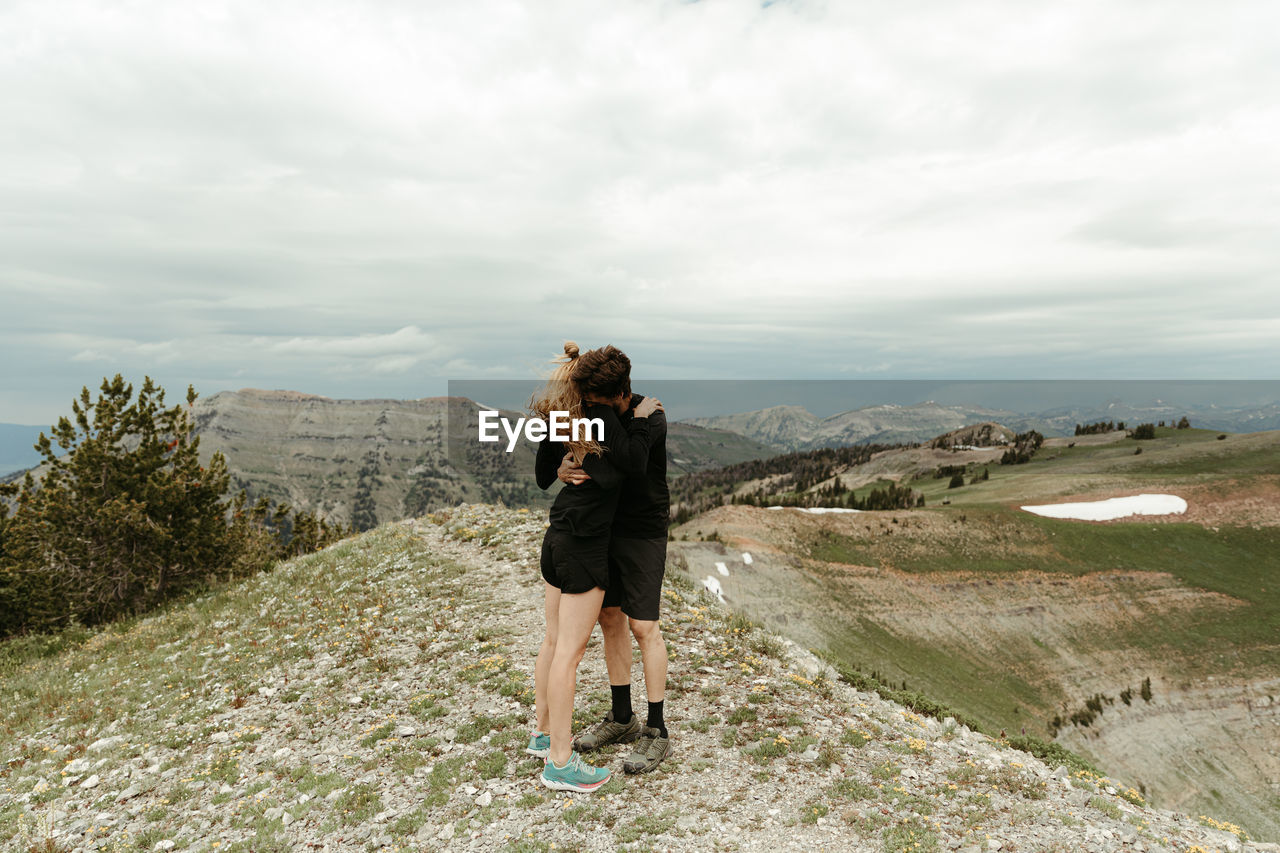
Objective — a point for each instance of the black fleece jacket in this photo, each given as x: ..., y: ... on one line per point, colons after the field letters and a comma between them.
x: 588, y: 509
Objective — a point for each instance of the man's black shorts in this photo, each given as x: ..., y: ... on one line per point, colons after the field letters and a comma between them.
x: 575, y: 564
x: 636, y: 567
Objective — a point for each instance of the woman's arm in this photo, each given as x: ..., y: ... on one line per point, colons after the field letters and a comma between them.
x: 605, y: 474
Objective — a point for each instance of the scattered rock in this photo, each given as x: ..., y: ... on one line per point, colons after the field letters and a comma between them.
x: 106, y: 743
x: 710, y: 790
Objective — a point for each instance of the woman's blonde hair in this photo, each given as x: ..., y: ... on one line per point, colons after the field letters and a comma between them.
x: 562, y: 393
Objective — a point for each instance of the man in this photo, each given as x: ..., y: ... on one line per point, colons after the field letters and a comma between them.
x: 637, y: 563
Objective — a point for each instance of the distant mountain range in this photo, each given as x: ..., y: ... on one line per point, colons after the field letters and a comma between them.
x: 17, y: 451
x: 791, y: 428
x: 795, y: 428
x: 370, y: 461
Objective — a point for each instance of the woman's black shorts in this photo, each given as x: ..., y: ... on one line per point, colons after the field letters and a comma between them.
x: 575, y: 564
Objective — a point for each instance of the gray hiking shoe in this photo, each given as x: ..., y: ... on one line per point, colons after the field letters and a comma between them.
x: 606, y: 732
x: 648, y: 752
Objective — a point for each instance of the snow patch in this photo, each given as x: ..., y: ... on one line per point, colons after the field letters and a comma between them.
x: 817, y: 510
x: 1113, y: 508
x: 712, y: 583
x: 746, y: 558
x: 722, y: 569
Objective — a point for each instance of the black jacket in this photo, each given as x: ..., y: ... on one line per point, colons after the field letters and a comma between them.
x: 644, y: 506
x: 588, y: 509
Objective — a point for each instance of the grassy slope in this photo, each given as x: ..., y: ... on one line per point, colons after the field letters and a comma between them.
x: 1239, y: 561
x: 413, y: 633
x: 693, y: 448
x: 1014, y: 687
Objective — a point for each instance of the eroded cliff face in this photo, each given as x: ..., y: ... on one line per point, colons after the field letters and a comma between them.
x: 1019, y: 648
x: 1204, y: 749
x: 365, y: 462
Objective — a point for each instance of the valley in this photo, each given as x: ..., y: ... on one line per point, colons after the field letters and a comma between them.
x: 1018, y: 620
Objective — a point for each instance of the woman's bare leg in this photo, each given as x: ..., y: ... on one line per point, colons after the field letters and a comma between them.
x: 543, y: 664
x: 577, y: 616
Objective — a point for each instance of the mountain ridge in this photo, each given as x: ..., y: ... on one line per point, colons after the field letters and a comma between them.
x: 793, y: 428
x: 363, y: 462
x: 376, y: 694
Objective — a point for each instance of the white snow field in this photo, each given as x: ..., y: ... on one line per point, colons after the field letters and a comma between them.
x: 817, y: 510
x: 1113, y: 508
x: 712, y: 583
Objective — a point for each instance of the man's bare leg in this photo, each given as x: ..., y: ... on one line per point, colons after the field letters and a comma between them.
x: 653, y: 653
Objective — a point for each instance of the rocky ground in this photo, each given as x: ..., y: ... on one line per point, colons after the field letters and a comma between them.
x: 378, y: 695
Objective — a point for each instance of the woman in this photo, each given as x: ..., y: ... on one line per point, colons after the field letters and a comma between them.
x: 596, y: 384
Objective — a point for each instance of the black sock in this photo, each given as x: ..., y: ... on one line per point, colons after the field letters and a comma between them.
x: 655, y: 718
x: 621, y: 702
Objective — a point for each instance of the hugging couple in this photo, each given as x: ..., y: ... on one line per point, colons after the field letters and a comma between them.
x: 603, y: 559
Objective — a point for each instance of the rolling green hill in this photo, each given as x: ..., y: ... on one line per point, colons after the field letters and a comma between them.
x: 1025, y: 621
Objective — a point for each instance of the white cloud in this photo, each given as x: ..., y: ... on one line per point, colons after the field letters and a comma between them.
x: 253, y: 189
x: 409, y: 340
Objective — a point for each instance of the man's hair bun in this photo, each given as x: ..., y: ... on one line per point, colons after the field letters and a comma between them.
x: 571, y: 349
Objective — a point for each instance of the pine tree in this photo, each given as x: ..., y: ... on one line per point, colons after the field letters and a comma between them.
x: 1144, y: 432
x: 127, y: 514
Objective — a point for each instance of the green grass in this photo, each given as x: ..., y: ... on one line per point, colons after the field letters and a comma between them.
x: 646, y: 826
x: 1004, y: 691
x: 1241, y: 562
x: 1105, y: 806
x: 984, y: 533
x: 912, y: 835
x: 1174, y: 457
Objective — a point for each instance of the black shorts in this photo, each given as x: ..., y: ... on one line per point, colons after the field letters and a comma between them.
x: 636, y: 567
x: 575, y: 564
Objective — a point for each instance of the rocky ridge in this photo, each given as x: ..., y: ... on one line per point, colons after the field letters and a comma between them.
x: 378, y: 695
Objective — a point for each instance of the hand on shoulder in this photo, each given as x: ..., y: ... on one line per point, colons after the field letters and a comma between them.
x: 648, y: 406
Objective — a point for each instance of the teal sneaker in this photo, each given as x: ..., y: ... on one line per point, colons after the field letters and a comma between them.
x: 576, y: 775
x: 539, y: 744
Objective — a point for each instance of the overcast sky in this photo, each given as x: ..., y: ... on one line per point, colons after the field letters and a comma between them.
x: 367, y: 199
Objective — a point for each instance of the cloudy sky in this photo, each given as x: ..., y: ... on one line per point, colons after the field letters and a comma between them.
x: 368, y: 199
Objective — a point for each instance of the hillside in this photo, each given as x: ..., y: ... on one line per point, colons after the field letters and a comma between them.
x: 376, y: 695
x: 795, y: 428
x: 370, y: 461
x: 1018, y: 619
x: 790, y: 428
